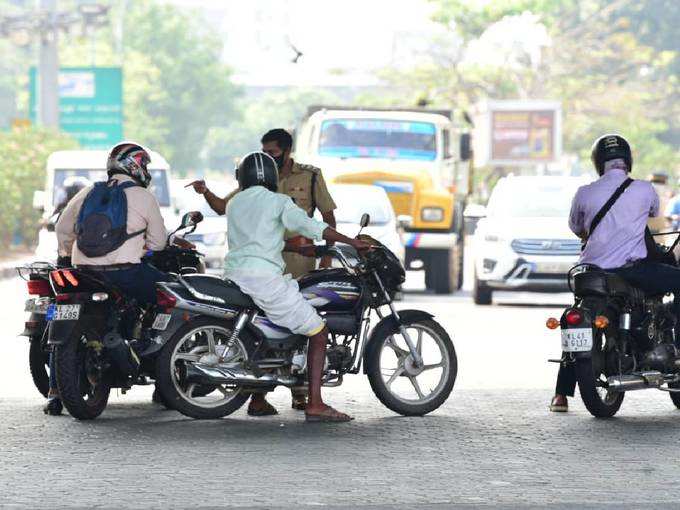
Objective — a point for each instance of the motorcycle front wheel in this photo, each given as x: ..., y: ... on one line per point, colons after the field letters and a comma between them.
x: 82, y: 389
x: 398, y: 382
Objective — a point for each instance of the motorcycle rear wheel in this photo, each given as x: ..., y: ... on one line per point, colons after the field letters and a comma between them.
x: 675, y: 396
x: 82, y: 398
x: 388, y: 349
x: 39, y: 363
x: 600, y: 402
x: 177, y: 393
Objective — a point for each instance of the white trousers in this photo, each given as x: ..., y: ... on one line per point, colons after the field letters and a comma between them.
x: 280, y: 298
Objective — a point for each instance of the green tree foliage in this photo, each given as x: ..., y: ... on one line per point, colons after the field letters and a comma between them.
x: 24, y: 153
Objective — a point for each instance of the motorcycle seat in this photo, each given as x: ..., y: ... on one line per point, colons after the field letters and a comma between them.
x: 217, y: 287
x: 600, y: 283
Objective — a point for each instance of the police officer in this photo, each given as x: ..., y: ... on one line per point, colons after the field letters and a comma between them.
x: 306, y: 186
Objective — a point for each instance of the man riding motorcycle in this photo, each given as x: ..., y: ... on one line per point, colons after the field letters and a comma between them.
x: 618, y: 243
x: 257, y: 218
x: 126, y: 167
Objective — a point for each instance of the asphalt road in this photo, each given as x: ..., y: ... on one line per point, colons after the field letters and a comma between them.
x: 493, y: 443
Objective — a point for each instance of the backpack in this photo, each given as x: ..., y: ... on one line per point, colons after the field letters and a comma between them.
x: 102, y: 221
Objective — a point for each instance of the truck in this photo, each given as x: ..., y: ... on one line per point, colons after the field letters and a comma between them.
x: 421, y: 157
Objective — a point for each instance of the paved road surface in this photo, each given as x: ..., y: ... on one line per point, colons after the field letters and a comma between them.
x: 493, y: 443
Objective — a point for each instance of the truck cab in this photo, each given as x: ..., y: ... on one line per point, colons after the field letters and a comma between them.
x: 89, y: 166
x: 417, y: 157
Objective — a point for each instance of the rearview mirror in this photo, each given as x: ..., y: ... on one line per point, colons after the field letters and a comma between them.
x: 191, y: 219
x: 365, y: 220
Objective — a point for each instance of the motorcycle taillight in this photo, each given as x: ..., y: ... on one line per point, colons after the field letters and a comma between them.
x: 39, y: 288
x: 573, y: 317
x: 164, y: 299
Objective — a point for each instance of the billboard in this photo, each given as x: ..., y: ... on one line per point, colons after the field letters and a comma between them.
x: 518, y: 132
x: 90, y: 104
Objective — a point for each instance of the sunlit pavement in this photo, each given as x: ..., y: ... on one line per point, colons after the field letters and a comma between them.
x: 492, y: 443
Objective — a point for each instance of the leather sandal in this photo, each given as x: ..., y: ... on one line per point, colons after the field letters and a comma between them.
x: 266, y: 410
x: 328, y: 415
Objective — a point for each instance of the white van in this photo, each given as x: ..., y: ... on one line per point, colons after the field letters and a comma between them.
x: 63, y: 166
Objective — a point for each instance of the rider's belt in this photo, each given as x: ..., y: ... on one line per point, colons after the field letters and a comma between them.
x: 299, y: 241
x: 111, y: 267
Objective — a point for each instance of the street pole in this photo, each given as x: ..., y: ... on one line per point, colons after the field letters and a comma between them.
x: 48, y: 73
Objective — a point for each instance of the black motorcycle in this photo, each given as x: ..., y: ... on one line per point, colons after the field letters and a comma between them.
x: 100, y: 338
x: 217, y: 337
x: 617, y: 339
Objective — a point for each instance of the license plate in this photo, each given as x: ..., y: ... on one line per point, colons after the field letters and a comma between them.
x: 161, y: 321
x: 63, y: 313
x: 577, y: 340
x: 553, y: 267
x: 37, y: 305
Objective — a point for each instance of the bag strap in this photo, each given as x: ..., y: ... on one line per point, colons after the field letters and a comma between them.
x: 123, y: 186
x: 608, y: 205
x: 313, y: 194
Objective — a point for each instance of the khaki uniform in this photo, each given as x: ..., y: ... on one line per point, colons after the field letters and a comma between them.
x: 298, y: 185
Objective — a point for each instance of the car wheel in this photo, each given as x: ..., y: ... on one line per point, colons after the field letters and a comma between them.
x: 481, y: 292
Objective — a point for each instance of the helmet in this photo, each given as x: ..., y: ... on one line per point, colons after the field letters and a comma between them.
x: 258, y: 169
x: 608, y: 147
x: 131, y: 159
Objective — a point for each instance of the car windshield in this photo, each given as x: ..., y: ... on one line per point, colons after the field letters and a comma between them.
x: 353, y: 201
x: 377, y: 138
x: 532, y: 200
x: 159, y: 183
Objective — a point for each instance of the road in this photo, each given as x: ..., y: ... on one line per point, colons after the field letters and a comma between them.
x: 493, y: 443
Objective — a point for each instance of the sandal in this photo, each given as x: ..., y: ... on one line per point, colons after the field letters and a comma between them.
x: 299, y: 402
x: 266, y: 410
x: 328, y: 415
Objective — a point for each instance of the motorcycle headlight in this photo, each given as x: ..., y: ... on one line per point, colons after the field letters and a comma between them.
x: 432, y: 214
x: 214, y: 239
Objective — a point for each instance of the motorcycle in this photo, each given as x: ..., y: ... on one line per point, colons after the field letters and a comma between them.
x: 90, y: 332
x: 215, y: 336
x: 617, y: 339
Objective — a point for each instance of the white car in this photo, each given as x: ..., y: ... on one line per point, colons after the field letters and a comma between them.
x: 353, y: 200
x: 524, y: 242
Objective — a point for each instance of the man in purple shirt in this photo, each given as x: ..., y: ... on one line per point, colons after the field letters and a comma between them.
x: 618, y: 242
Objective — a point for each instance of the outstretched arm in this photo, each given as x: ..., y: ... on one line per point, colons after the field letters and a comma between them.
x: 217, y: 204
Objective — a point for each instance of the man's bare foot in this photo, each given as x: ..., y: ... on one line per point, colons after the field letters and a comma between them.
x: 324, y: 413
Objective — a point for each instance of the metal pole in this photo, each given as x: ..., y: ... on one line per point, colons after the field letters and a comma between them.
x: 48, y: 73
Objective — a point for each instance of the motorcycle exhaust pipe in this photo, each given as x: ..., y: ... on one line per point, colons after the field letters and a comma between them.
x: 200, y: 373
x: 644, y: 381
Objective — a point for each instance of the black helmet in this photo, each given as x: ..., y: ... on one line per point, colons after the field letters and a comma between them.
x: 258, y: 169
x: 609, y: 147
x: 131, y: 159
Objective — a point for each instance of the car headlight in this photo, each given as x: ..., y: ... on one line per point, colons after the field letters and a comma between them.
x: 432, y: 214
x: 214, y: 239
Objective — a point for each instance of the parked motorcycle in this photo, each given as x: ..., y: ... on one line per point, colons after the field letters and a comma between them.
x: 618, y: 339
x: 216, y: 336
x: 94, y: 346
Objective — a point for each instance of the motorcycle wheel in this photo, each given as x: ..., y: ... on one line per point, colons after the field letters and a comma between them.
x: 188, y: 344
x: 675, y: 397
x: 83, y: 397
x: 400, y: 388
x: 600, y: 402
x: 39, y: 365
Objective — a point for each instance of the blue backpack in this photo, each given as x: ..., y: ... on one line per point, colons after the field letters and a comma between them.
x: 102, y: 220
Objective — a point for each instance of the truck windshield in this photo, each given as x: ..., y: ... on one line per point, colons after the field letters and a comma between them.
x: 64, y: 178
x: 378, y: 138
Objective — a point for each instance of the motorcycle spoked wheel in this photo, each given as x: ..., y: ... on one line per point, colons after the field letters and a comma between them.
x: 438, y: 374
x: 39, y: 365
x: 189, y: 344
x: 83, y: 397
x: 600, y: 402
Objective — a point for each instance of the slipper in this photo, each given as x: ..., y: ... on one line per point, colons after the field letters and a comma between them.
x: 329, y: 415
x: 299, y: 403
x: 267, y: 410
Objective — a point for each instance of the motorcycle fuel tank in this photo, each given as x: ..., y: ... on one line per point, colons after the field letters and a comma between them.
x: 331, y: 290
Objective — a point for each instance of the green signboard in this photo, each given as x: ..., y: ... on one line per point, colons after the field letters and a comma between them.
x: 90, y: 104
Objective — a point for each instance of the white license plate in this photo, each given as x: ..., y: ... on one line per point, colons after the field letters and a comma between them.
x: 161, y: 321
x: 63, y: 313
x: 37, y: 305
x: 553, y: 267
x: 577, y: 340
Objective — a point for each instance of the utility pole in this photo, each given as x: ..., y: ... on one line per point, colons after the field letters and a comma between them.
x: 48, y: 70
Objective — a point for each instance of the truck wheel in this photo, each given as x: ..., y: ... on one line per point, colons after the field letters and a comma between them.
x: 442, y: 271
x: 481, y: 292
